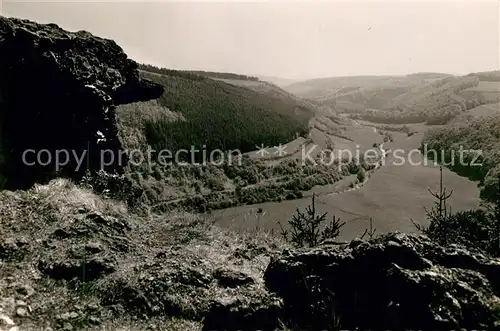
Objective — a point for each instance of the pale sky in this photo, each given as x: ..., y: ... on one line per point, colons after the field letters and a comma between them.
x: 289, y: 39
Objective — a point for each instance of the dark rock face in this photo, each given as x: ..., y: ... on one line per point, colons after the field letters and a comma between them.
x: 232, y: 279
x: 85, y: 247
x: 257, y: 313
x: 57, y: 92
x: 160, y: 289
x: 90, y: 270
x: 12, y: 249
x: 394, y: 282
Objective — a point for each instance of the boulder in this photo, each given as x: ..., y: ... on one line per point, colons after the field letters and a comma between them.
x: 58, y: 92
x: 244, y: 314
x: 395, y: 282
x: 231, y: 278
x: 83, y: 270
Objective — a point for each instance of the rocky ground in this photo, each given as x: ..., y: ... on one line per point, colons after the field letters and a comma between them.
x: 395, y: 282
x: 71, y: 260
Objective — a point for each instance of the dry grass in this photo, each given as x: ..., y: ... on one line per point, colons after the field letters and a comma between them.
x: 184, y: 242
x: 66, y: 197
x: 163, y: 324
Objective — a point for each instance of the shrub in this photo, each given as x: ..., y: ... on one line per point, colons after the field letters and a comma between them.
x: 305, y: 228
x: 476, y: 229
x: 361, y: 175
x: 114, y: 186
x: 353, y: 168
x: 215, y: 184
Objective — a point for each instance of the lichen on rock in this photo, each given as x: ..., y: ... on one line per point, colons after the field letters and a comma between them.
x: 395, y: 282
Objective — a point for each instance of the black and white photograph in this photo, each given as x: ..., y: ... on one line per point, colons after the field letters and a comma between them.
x: 249, y: 165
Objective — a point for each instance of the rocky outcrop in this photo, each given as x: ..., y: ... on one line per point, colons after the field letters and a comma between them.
x: 58, y: 91
x: 396, y: 282
x: 244, y: 314
x: 85, y: 247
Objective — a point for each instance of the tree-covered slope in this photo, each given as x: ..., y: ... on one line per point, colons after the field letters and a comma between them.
x: 423, y: 97
x: 209, y: 74
x: 222, y: 116
x: 479, y: 140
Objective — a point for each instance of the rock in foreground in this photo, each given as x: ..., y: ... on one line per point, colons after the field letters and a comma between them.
x: 397, y: 281
x: 57, y: 92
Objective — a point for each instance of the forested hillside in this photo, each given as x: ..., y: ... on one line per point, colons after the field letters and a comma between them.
x: 432, y: 98
x: 209, y: 74
x: 275, y: 91
x: 436, y: 102
x: 223, y: 116
x: 488, y: 76
x: 480, y: 141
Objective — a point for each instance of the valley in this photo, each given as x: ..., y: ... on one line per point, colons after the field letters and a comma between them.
x: 209, y: 200
x: 392, y: 196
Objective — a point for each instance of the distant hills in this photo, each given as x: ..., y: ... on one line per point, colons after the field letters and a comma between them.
x: 434, y: 98
x: 488, y: 76
x: 209, y: 74
x: 281, y: 82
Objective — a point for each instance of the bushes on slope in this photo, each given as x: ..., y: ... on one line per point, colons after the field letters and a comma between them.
x: 479, y: 143
x: 476, y: 229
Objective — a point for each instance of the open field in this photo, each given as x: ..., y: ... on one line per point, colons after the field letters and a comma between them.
x: 478, y: 112
x: 324, y: 132
x: 485, y: 86
x: 485, y: 91
x: 392, y: 196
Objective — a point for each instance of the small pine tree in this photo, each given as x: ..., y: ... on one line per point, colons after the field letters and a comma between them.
x: 305, y: 228
x: 371, y: 232
x: 438, y: 214
x: 440, y: 209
